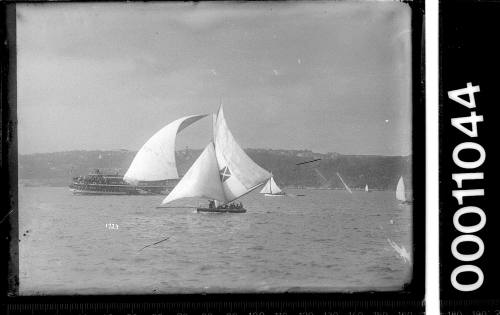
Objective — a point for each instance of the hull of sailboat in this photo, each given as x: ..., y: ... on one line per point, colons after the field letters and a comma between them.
x: 221, y: 210
x: 275, y: 195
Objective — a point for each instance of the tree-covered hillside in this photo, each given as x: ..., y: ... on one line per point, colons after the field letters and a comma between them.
x: 378, y: 172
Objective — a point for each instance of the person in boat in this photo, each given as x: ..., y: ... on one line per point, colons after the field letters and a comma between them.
x: 211, y: 204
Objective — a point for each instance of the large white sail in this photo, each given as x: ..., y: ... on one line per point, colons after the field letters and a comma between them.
x: 238, y: 173
x: 201, y: 180
x: 156, y: 159
x: 345, y: 185
x: 270, y: 187
x: 400, y: 190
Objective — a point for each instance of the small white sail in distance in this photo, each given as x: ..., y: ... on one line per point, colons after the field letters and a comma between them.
x: 223, y: 172
x: 156, y: 158
x: 400, y: 190
x: 271, y: 188
x: 345, y: 185
x: 366, y: 187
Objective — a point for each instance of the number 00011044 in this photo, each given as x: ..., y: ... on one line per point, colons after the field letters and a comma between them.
x: 460, y: 194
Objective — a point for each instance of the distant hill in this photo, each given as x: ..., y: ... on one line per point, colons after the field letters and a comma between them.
x: 378, y: 172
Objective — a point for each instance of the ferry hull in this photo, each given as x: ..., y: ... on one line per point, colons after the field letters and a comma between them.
x: 103, y: 190
x: 89, y: 192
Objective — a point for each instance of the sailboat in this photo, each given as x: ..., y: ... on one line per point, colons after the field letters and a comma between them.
x: 345, y: 185
x: 155, y: 161
x: 401, y: 193
x: 222, y: 173
x: 271, y: 189
x: 366, y: 188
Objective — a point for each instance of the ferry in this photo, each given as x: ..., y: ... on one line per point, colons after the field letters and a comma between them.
x: 97, y: 183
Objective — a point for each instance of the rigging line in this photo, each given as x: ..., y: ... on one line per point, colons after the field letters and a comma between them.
x: 163, y: 240
x: 250, y: 190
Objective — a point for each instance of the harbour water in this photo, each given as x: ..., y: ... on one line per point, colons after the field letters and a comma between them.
x: 326, y: 240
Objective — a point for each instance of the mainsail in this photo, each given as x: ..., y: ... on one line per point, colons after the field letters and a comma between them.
x: 366, y: 187
x: 239, y: 174
x: 271, y: 187
x: 156, y: 159
x: 223, y: 172
x: 345, y: 185
x: 400, y: 190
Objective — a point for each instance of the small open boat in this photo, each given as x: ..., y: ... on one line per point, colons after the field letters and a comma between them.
x: 221, y: 210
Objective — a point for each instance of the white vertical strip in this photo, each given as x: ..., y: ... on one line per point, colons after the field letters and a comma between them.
x: 432, y: 157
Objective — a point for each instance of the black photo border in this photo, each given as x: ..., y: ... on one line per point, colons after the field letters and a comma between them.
x: 411, y: 298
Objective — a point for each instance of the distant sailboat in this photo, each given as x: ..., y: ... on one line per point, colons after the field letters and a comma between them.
x: 155, y: 161
x: 222, y: 173
x: 366, y: 188
x: 271, y: 189
x: 401, y: 192
x: 345, y: 185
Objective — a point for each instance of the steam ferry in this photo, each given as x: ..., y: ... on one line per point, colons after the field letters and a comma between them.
x: 97, y: 183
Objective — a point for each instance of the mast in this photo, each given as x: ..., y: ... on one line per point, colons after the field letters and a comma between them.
x: 271, y: 184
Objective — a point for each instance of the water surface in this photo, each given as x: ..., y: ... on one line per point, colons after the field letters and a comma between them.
x: 326, y: 240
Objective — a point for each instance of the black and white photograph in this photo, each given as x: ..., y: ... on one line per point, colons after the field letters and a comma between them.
x: 215, y: 147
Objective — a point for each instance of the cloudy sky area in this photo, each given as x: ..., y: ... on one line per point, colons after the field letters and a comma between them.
x: 324, y: 76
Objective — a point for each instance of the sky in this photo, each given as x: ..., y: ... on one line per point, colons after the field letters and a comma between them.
x: 322, y: 76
